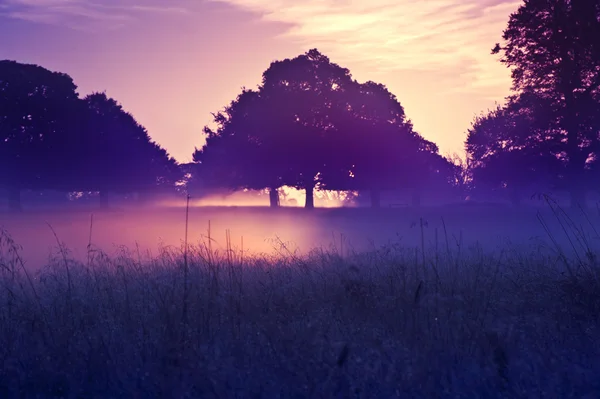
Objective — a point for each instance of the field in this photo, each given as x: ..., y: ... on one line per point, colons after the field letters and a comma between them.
x: 454, y: 301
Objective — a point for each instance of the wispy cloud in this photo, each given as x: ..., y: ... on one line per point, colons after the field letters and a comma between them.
x: 83, y: 14
x: 395, y: 35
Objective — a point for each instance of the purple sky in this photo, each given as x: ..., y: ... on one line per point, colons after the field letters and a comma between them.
x: 171, y: 63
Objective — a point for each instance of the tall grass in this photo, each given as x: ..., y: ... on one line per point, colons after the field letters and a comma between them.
x: 195, y: 322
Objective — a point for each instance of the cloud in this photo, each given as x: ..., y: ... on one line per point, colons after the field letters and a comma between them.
x: 82, y: 14
x: 396, y: 35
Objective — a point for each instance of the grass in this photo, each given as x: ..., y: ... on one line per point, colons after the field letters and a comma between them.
x: 195, y: 322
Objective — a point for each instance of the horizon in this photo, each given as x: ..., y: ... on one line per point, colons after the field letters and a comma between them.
x: 125, y: 49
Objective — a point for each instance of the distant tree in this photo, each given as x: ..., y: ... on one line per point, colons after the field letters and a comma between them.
x: 461, y: 174
x: 36, y: 106
x: 513, y: 147
x: 117, y: 154
x: 553, y: 49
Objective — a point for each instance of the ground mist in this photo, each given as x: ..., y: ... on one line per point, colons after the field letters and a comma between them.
x: 196, y: 322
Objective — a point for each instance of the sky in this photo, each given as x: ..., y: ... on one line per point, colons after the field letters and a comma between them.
x: 172, y: 63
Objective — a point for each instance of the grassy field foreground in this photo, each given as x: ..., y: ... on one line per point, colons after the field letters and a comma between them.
x: 393, y: 322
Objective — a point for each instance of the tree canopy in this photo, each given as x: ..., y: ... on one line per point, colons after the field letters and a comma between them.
x: 36, y: 106
x: 514, y: 147
x: 233, y: 153
x: 116, y: 152
x: 50, y: 139
x: 379, y: 145
x: 553, y: 50
x: 310, y: 124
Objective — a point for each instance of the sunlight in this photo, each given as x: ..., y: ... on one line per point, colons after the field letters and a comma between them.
x: 289, y: 197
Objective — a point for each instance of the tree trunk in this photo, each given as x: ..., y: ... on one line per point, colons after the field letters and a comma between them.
x: 310, y: 197
x: 375, y: 198
x: 14, y: 199
x: 104, y: 199
x: 273, y: 197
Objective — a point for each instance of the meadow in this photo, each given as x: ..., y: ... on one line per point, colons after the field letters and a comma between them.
x: 437, y: 302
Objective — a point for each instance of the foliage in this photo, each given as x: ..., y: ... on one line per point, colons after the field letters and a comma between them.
x: 50, y: 139
x: 379, y: 147
x: 513, y: 147
x: 36, y: 106
x: 310, y: 125
x: 117, y: 154
x: 553, y: 50
x: 234, y: 155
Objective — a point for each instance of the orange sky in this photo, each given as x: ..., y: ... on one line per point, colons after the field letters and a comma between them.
x: 171, y: 63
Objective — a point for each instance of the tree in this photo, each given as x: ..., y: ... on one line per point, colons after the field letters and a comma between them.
x: 36, y: 106
x: 302, y: 94
x: 515, y: 146
x: 117, y: 154
x: 378, y: 147
x: 553, y: 50
x: 277, y: 135
x: 309, y: 125
x: 239, y: 153
x: 461, y: 174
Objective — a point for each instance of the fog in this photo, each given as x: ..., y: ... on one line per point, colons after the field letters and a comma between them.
x: 263, y: 230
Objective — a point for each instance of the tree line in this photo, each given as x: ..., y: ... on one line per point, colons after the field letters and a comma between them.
x: 52, y: 139
x: 311, y: 126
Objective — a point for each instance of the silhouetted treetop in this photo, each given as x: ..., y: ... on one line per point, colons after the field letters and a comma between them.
x: 118, y: 153
x: 310, y: 125
x: 553, y: 50
x: 553, y: 43
x: 513, y: 147
x: 36, y: 106
x: 311, y: 71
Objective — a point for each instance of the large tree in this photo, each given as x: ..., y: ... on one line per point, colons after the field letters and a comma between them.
x: 553, y: 49
x: 310, y: 125
x: 302, y: 95
x: 36, y: 133
x: 280, y: 134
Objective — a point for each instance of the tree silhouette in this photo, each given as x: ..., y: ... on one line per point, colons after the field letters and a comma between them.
x: 116, y: 153
x: 461, y: 174
x: 302, y: 94
x: 310, y: 125
x: 553, y: 50
x: 514, y: 147
x: 240, y: 152
x: 36, y: 106
x: 280, y: 134
x: 379, y: 146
